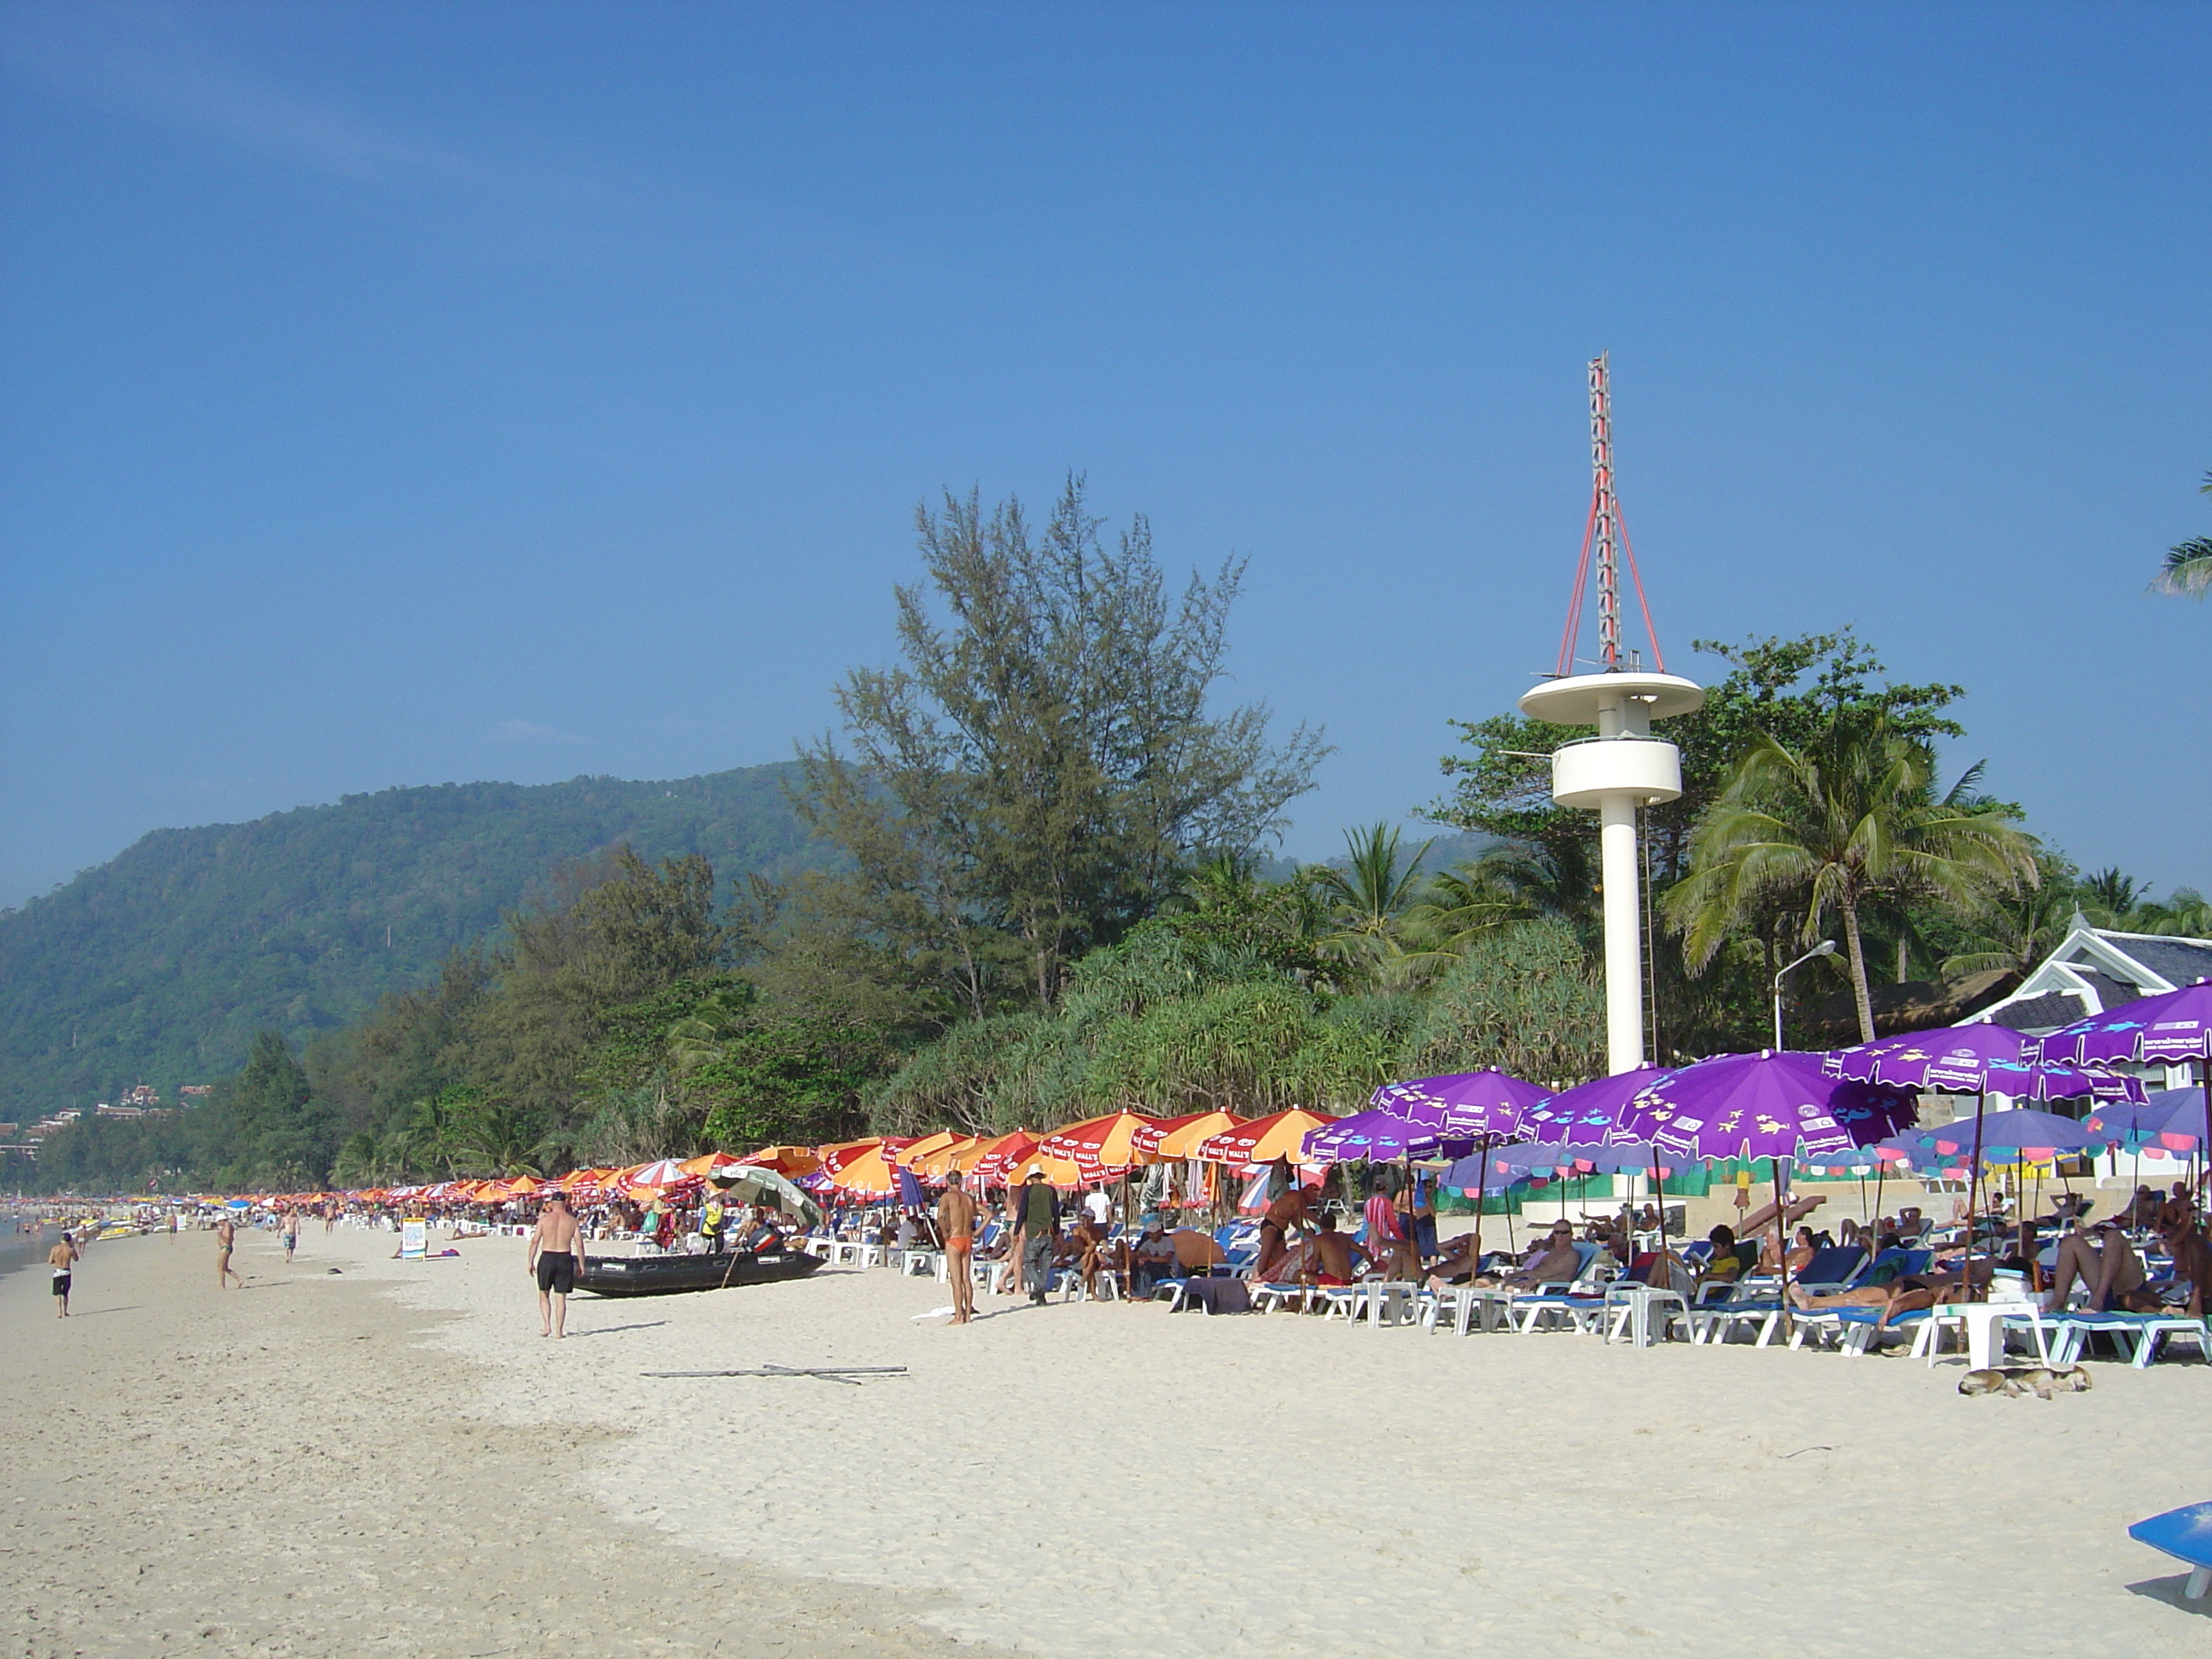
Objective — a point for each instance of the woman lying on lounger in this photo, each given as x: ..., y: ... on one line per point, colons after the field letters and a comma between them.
x: 1906, y: 1293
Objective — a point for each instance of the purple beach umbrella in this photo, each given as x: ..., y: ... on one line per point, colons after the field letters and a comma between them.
x: 1566, y: 1160
x: 1589, y: 1111
x: 1907, y: 1062
x: 2003, y: 1137
x: 1465, y: 1105
x: 1971, y: 1059
x: 1478, y: 1170
x: 2165, y: 1029
x: 1379, y: 1137
x: 1773, y: 1103
x: 2172, y: 1120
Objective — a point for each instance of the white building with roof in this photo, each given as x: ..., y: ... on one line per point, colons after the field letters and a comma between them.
x: 2095, y: 971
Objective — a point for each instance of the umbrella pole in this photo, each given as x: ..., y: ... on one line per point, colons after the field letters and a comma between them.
x: 1974, y: 1194
x: 1481, y: 1185
x: 2204, y: 1067
x: 1659, y: 1209
x: 1782, y: 1243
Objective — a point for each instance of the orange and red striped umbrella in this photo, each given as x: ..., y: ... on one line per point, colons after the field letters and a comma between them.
x: 1102, y: 1146
x: 1279, y: 1134
x: 1184, y: 1138
x: 994, y: 1157
x: 784, y: 1160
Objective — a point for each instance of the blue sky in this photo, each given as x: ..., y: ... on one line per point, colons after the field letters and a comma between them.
x: 404, y: 393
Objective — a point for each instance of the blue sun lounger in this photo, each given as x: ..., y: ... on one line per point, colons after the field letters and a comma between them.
x: 2136, y: 1334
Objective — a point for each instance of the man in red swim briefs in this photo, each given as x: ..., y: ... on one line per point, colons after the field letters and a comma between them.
x: 1329, y: 1258
x: 955, y: 1226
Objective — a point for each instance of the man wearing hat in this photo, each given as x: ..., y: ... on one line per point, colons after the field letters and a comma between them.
x: 1155, y: 1259
x: 1037, y: 1222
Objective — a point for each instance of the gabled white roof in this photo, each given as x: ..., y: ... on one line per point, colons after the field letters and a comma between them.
x: 2093, y: 969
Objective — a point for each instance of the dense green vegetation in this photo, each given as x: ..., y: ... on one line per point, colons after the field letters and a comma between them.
x: 160, y: 966
x: 1036, y: 891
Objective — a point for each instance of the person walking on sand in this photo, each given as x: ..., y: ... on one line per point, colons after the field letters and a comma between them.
x: 61, y: 1259
x: 291, y: 1233
x: 955, y: 1226
x: 226, y: 1240
x: 1037, y: 1211
x: 556, y: 1252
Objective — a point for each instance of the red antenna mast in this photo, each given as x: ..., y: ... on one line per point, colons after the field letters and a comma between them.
x: 1605, y: 533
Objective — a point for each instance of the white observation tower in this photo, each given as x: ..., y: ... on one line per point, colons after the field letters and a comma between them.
x: 1623, y: 767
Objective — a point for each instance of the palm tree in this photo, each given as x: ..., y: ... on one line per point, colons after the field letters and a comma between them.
x: 2113, y: 892
x: 1368, y: 900
x: 356, y: 1161
x: 2019, y: 931
x: 704, y: 1034
x: 1556, y: 879
x: 1848, y: 818
x: 1461, y: 906
x: 497, y: 1135
x: 1224, y: 879
x: 2188, y: 567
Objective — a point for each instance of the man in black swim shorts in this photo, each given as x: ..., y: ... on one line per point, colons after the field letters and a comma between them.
x: 61, y: 1259
x: 556, y: 1250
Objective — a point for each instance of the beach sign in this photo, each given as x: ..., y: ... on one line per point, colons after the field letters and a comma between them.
x: 414, y: 1239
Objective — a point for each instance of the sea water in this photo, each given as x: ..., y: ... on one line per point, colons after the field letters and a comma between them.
x: 24, y: 1240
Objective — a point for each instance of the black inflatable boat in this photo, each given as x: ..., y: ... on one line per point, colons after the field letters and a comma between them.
x: 665, y: 1275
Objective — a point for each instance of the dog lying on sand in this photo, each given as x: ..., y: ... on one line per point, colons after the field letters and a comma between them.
x: 2040, y: 1381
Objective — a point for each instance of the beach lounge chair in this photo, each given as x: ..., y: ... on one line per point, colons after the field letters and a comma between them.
x: 1831, y: 1270
x: 1471, y: 1306
x: 1758, y: 1302
x: 2136, y: 1336
x: 1578, y: 1305
x: 1861, y: 1329
x: 1274, y: 1296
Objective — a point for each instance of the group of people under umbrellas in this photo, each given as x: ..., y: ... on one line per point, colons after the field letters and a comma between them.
x: 1854, y: 1108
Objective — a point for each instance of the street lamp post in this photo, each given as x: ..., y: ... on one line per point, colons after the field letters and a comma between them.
x: 1826, y: 947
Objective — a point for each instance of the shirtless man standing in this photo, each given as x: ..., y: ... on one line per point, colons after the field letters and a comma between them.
x: 61, y: 1259
x: 557, y: 1255
x: 226, y: 1240
x: 955, y: 1226
x: 1288, y: 1211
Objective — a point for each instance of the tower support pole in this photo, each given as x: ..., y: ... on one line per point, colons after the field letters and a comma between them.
x: 1624, y: 954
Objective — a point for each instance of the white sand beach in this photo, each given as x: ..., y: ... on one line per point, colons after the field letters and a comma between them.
x: 391, y: 1459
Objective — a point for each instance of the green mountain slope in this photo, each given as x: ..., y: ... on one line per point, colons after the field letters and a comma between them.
x: 160, y: 966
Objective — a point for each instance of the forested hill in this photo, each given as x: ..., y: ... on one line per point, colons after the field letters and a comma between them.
x: 160, y: 966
